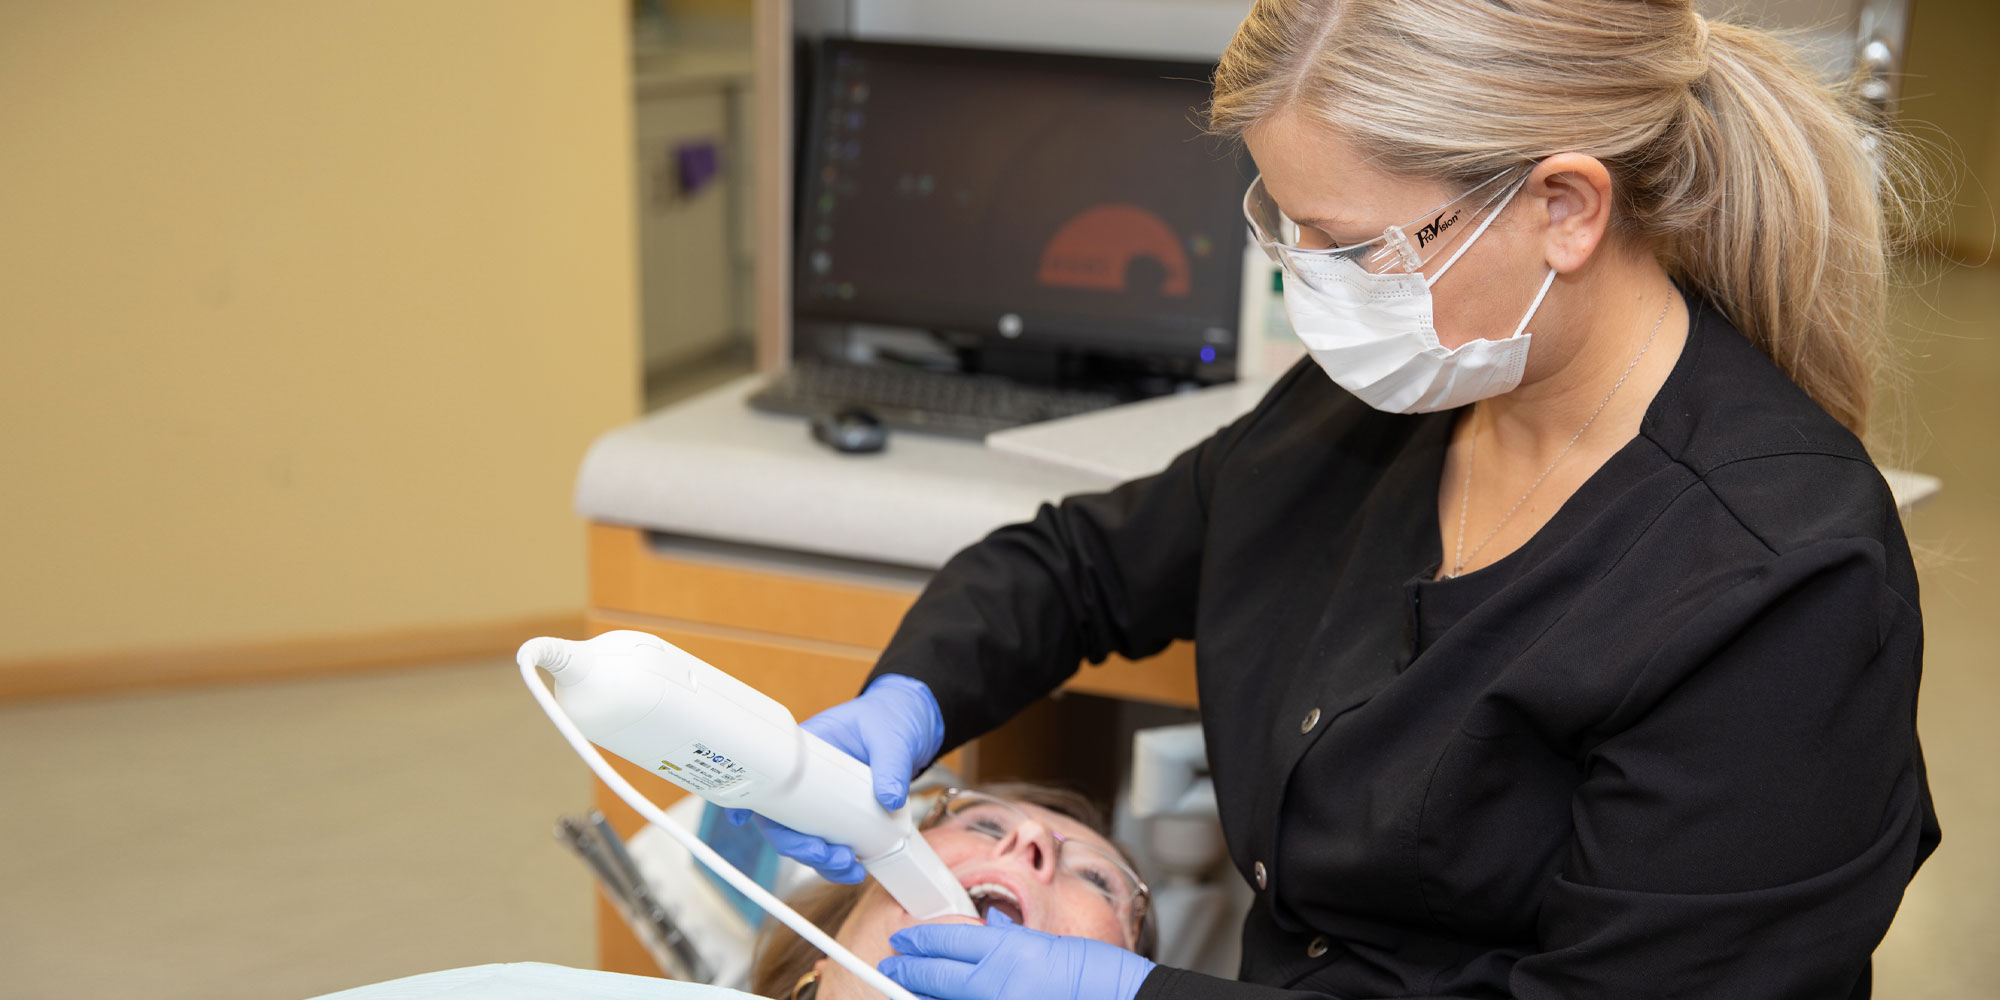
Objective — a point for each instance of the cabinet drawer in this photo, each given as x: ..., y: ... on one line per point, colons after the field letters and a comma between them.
x: 648, y: 586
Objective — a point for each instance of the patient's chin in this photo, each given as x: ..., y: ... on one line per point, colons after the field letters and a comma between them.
x: 866, y: 933
x: 877, y: 919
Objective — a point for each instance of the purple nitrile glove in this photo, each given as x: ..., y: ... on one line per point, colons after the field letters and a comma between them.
x: 1005, y: 961
x: 896, y: 728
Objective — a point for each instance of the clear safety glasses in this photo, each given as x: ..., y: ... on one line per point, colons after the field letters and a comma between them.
x: 1105, y: 873
x: 1400, y: 249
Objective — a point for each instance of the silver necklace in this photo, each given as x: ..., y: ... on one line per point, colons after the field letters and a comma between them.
x: 1459, y: 557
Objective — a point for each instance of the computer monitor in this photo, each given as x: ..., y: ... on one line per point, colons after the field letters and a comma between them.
x: 1035, y: 201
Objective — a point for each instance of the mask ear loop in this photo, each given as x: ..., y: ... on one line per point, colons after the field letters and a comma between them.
x: 1547, y: 283
x: 1477, y: 233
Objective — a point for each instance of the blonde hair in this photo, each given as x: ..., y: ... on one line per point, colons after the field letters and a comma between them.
x: 1772, y: 194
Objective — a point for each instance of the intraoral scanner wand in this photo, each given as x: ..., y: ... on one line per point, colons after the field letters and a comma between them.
x: 677, y: 716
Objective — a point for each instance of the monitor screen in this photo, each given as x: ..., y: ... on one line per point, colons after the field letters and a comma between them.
x: 1053, y: 200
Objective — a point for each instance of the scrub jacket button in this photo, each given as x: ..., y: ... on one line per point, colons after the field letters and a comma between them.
x: 1317, y: 947
x: 1312, y: 719
x: 1263, y: 877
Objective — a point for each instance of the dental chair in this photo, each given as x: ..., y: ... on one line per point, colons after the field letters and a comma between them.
x: 534, y: 981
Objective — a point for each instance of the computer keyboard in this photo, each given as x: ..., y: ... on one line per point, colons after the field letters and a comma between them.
x: 970, y: 406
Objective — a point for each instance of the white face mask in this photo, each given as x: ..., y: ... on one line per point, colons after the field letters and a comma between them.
x: 1373, y: 333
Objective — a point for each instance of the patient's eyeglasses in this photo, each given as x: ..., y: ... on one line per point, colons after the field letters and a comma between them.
x: 1102, y: 871
x: 1402, y: 248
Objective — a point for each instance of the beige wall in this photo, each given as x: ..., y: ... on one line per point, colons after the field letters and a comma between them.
x: 1951, y: 97
x: 307, y: 313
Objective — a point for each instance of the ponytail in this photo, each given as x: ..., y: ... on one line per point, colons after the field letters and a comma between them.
x: 1769, y: 192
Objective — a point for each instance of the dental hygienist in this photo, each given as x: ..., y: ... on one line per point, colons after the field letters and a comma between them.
x: 1556, y: 635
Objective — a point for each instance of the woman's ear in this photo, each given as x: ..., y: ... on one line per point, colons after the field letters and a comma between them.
x: 1575, y: 191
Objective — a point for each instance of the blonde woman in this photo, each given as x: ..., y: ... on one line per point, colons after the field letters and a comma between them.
x: 1556, y: 636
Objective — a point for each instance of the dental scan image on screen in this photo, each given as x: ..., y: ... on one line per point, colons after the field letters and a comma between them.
x: 1076, y: 198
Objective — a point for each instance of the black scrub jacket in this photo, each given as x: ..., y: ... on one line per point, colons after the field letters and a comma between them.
x: 1666, y: 748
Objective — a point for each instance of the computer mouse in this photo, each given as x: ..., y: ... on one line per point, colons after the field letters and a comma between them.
x: 850, y: 429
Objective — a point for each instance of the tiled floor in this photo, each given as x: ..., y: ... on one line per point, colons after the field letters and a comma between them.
x: 284, y: 840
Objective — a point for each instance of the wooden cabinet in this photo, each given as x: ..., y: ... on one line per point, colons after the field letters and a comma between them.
x: 806, y: 631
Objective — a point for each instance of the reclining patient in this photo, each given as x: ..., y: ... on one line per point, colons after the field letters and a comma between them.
x: 1038, y: 854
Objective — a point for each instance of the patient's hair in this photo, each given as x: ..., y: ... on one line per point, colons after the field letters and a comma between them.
x: 782, y: 956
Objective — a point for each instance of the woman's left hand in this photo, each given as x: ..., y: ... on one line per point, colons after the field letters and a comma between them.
x: 1005, y: 961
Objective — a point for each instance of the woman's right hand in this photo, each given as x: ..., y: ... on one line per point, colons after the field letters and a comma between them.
x: 896, y: 728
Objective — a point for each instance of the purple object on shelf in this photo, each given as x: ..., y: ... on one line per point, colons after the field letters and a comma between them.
x: 696, y: 165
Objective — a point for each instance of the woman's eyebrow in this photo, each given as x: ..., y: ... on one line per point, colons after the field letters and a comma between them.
x: 1328, y: 224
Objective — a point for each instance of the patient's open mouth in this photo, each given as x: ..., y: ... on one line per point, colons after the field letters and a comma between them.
x: 987, y: 896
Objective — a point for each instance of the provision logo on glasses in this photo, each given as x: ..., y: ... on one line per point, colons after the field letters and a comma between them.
x: 1436, y: 228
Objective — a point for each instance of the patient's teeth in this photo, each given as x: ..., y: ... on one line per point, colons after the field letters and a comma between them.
x: 984, y: 889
